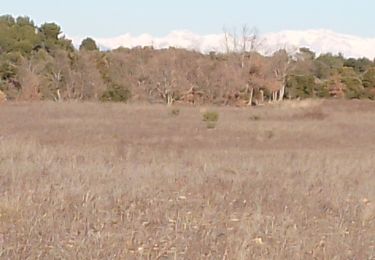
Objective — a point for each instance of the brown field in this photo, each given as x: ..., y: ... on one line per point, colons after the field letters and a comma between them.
x: 113, y: 181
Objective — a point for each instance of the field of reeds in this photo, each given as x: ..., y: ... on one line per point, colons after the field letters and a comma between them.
x: 113, y: 181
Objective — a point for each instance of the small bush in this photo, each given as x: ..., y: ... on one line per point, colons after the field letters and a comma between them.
x: 321, y: 91
x: 211, y: 118
x: 255, y: 118
x: 300, y: 86
x: 353, y: 88
x: 175, y: 112
x: 116, y: 93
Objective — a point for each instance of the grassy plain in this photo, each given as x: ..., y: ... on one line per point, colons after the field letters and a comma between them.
x: 113, y: 181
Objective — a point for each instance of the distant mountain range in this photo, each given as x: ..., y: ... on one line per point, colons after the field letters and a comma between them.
x: 319, y: 41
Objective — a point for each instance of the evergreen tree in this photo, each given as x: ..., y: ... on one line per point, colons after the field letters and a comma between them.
x: 88, y: 44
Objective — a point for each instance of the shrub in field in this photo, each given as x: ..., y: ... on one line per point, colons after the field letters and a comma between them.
x: 175, y: 112
x: 255, y: 118
x: 211, y: 117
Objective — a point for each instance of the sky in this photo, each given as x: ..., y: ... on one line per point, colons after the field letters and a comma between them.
x: 110, y: 18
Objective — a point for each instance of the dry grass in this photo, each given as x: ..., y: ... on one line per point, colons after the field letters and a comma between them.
x: 3, y: 98
x: 112, y: 181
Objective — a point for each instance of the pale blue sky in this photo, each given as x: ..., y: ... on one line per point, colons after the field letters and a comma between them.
x: 108, y: 18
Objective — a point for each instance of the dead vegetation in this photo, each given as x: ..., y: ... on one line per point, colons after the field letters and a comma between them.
x: 3, y: 98
x: 115, y: 181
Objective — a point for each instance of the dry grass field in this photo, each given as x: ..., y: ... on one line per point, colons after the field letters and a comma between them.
x: 114, y: 181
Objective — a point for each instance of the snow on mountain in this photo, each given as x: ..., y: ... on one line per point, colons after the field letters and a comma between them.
x: 323, y: 41
x: 179, y: 39
x: 320, y: 41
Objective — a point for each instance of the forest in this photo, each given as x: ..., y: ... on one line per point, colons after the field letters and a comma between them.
x: 39, y: 63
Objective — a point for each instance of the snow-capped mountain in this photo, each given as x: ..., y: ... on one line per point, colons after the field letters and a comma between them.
x: 323, y: 41
x: 320, y: 41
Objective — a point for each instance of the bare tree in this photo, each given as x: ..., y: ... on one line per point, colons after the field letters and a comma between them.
x: 29, y: 80
x: 280, y: 65
x: 164, y: 77
x: 245, y: 49
x: 166, y: 87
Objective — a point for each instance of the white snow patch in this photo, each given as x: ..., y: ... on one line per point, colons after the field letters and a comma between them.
x: 319, y: 41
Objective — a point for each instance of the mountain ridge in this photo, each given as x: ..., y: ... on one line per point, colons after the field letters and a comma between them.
x: 318, y: 40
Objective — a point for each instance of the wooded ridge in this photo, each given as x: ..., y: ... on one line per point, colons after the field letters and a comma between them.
x: 37, y: 63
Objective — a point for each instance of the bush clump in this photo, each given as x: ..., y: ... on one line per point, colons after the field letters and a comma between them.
x: 354, y: 88
x: 175, y: 112
x: 211, y: 118
x: 116, y: 93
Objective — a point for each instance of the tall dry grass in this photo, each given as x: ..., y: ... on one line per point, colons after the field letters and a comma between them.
x: 112, y: 181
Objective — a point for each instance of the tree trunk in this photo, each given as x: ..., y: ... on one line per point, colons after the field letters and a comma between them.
x: 58, y: 95
x: 282, y: 93
x: 170, y: 100
x: 261, y: 96
x: 274, y: 96
x: 250, y: 103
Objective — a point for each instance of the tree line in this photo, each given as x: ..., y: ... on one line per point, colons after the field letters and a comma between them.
x: 38, y: 63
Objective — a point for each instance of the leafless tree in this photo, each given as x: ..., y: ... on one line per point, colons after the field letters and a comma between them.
x: 245, y: 49
x: 29, y: 80
x: 281, y: 65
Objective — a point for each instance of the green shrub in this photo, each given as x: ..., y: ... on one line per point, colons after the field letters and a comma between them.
x: 211, y: 117
x: 300, y: 86
x: 321, y: 90
x: 116, y: 93
x: 353, y: 88
x: 369, y: 78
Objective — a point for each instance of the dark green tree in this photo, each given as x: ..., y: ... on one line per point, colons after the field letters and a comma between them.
x: 332, y: 61
x: 307, y: 53
x: 353, y: 84
x: 327, y: 65
x: 50, y: 34
x: 300, y: 86
x: 20, y: 36
x: 359, y: 65
x: 369, y: 78
x: 50, y: 31
x: 51, y: 41
x: 116, y: 93
x: 25, y: 21
x: 88, y: 44
x: 26, y: 36
x: 368, y: 82
x: 7, y: 19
